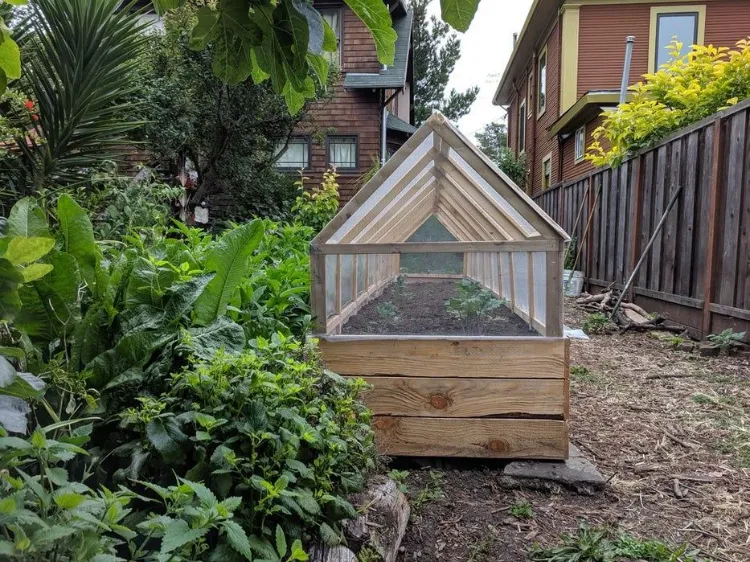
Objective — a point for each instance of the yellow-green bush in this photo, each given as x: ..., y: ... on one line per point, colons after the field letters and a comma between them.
x: 684, y: 90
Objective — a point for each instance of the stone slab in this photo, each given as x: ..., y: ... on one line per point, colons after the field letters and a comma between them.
x: 576, y: 472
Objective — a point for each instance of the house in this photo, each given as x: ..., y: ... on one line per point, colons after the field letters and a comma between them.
x: 567, y: 64
x: 368, y: 114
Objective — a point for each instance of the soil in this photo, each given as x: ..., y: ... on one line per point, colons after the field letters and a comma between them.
x: 419, y: 308
x: 646, y: 415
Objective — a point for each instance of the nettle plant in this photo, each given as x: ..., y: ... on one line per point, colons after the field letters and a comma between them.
x: 474, y: 306
x: 269, y: 426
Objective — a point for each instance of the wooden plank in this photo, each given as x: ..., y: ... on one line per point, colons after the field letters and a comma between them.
x: 440, y: 247
x: 669, y: 245
x: 636, y: 216
x: 318, y: 291
x: 685, y: 267
x: 530, y: 283
x: 731, y: 210
x: 464, y: 398
x: 614, y: 186
x: 478, y: 438
x: 422, y: 356
x: 337, y: 308
x: 742, y: 293
x: 603, y: 231
x: 512, y: 282
x: 596, y: 238
x: 717, y: 155
x: 740, y: 313
x: 623, y: 223
x: 703, y: 208
x: 553, y: 305
x: 646, y: 215
x: 654, y: 281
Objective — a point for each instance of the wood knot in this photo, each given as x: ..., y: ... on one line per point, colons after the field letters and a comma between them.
x: 384, y: 423
x: 439, y: 401
x: 497, y: 445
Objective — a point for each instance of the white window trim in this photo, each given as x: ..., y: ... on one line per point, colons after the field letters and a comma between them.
x: 541, y: 110
x: 579, y: 159
x: 522, y: 146
x: 546, y: 159
x: 656, y: 11
x: 530, y: 95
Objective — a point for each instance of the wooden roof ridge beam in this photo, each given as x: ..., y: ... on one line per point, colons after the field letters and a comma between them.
x: 439, y: 247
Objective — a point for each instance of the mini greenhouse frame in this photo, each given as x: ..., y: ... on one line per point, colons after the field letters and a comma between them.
x: 477, y: 396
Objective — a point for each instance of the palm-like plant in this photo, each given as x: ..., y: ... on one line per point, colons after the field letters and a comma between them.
x: 78, y: 58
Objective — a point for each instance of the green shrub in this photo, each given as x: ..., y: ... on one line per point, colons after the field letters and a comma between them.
x: 316, y: 206
x: 269, y: 426
x: 727, y: 340
x: 597, y: 323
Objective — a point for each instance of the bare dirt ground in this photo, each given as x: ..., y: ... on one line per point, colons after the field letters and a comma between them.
x: 669, y: 429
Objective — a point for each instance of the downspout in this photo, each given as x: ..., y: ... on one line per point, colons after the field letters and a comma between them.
x: 535, y: 103
x: 384, y: 126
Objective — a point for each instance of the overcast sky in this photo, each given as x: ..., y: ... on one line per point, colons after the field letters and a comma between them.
x: 485, y: 50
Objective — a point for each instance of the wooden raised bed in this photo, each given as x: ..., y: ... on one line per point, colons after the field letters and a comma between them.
x: 449, y: 395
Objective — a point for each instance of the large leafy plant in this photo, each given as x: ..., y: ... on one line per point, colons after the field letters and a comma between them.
x: 684, y: 90
x: 77, y: 66
x: 270, y: 427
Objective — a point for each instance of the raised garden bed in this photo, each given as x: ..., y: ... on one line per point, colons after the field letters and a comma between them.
x: 423, y: 307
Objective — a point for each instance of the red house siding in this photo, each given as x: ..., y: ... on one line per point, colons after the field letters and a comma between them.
x: 603, y: 28
x: 570, y: 168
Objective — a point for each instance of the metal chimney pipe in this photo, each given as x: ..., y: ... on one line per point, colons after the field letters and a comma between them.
x: 629, y: 40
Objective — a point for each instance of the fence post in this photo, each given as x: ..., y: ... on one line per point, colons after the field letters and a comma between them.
x: 636, y: 222
x: 713, y: 220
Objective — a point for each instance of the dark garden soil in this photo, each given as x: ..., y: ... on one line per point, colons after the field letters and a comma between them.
x: 420, y: 308
x: 648, y: 416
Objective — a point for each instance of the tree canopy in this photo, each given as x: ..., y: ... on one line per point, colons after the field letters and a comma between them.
x: 493, y: 141
x: 436, y: 52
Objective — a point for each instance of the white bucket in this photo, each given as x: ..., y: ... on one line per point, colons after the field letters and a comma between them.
x: 572, y: 282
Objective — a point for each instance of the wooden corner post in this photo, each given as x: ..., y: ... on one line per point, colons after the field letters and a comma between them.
x: 318, y: 290
x: 554, y: 302
x: 713, y: 219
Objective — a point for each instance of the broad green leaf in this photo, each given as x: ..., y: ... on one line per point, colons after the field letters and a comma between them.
x: 36, y: 271
x: 319, y: 64
x: 237, y: 538
x: 166, y: 438
x: 38, y: 440
x: 27, y: 219
x: 178, y: 534
x: 57, y: 475
x: 377, y: 18
x: 9, y: 274
x: 17, y: 2
x: 51, y: 534
x: 91, y: 336
x: 205, y: 29
x: 229, y: 259
x: 205, y: 342
x: 280, y: 541
x: 69, y: 500
x: 183, y: 295
x: 19, y: 385
x: 205, y: 495
x: 458, y: 13
x: 10, y: 58
x: 236, y: 35
x: 298, y: 553
x: 21, y: 251
x: 330, y: 41
x: 79, y: 237
x: 328, y: 535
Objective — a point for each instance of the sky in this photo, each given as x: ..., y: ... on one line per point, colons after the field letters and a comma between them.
x: 485, y: 50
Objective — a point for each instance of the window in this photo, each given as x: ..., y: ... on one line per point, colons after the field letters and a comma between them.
x: 522, y: 127
x: 547, y: 171
x: 530, y: 93
x: 542, y: 83
x: 332, y: 16
x: 686, y: 24
x: 580, y: 143
x: 342, y: 152
x: 296, y: 156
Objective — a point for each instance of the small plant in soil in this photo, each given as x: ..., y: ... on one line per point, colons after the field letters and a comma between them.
x: 368, y: 554
x: 675, y: 341
x: 432, y: 491
x: 580, y: 373
x: 727, y: 340
x: 399, y: 477
x: 480, y: 551
x: 389, y: 311
x: 473, y: 306
x: 597, y: 323
x: 599, y: 544
x: 400, y: 288
x: 522, y: 510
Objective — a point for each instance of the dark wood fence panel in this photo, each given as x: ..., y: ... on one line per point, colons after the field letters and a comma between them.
x: 613, y: 213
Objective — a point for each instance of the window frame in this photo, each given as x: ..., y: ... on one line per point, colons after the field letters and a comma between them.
x: 522, y: 109
x: 581, y: 129
x: 529, y: 95
x: 307, y: 139
x: 546, y: 159
x: 344, y: 169
x: 541, y: 109
x: 340, y: 33
x: 682, y: 9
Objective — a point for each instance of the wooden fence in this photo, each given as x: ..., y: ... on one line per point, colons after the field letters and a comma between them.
x: 698, y: 271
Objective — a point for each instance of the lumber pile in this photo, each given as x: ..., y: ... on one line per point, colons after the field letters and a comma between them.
x: 629, y: 316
